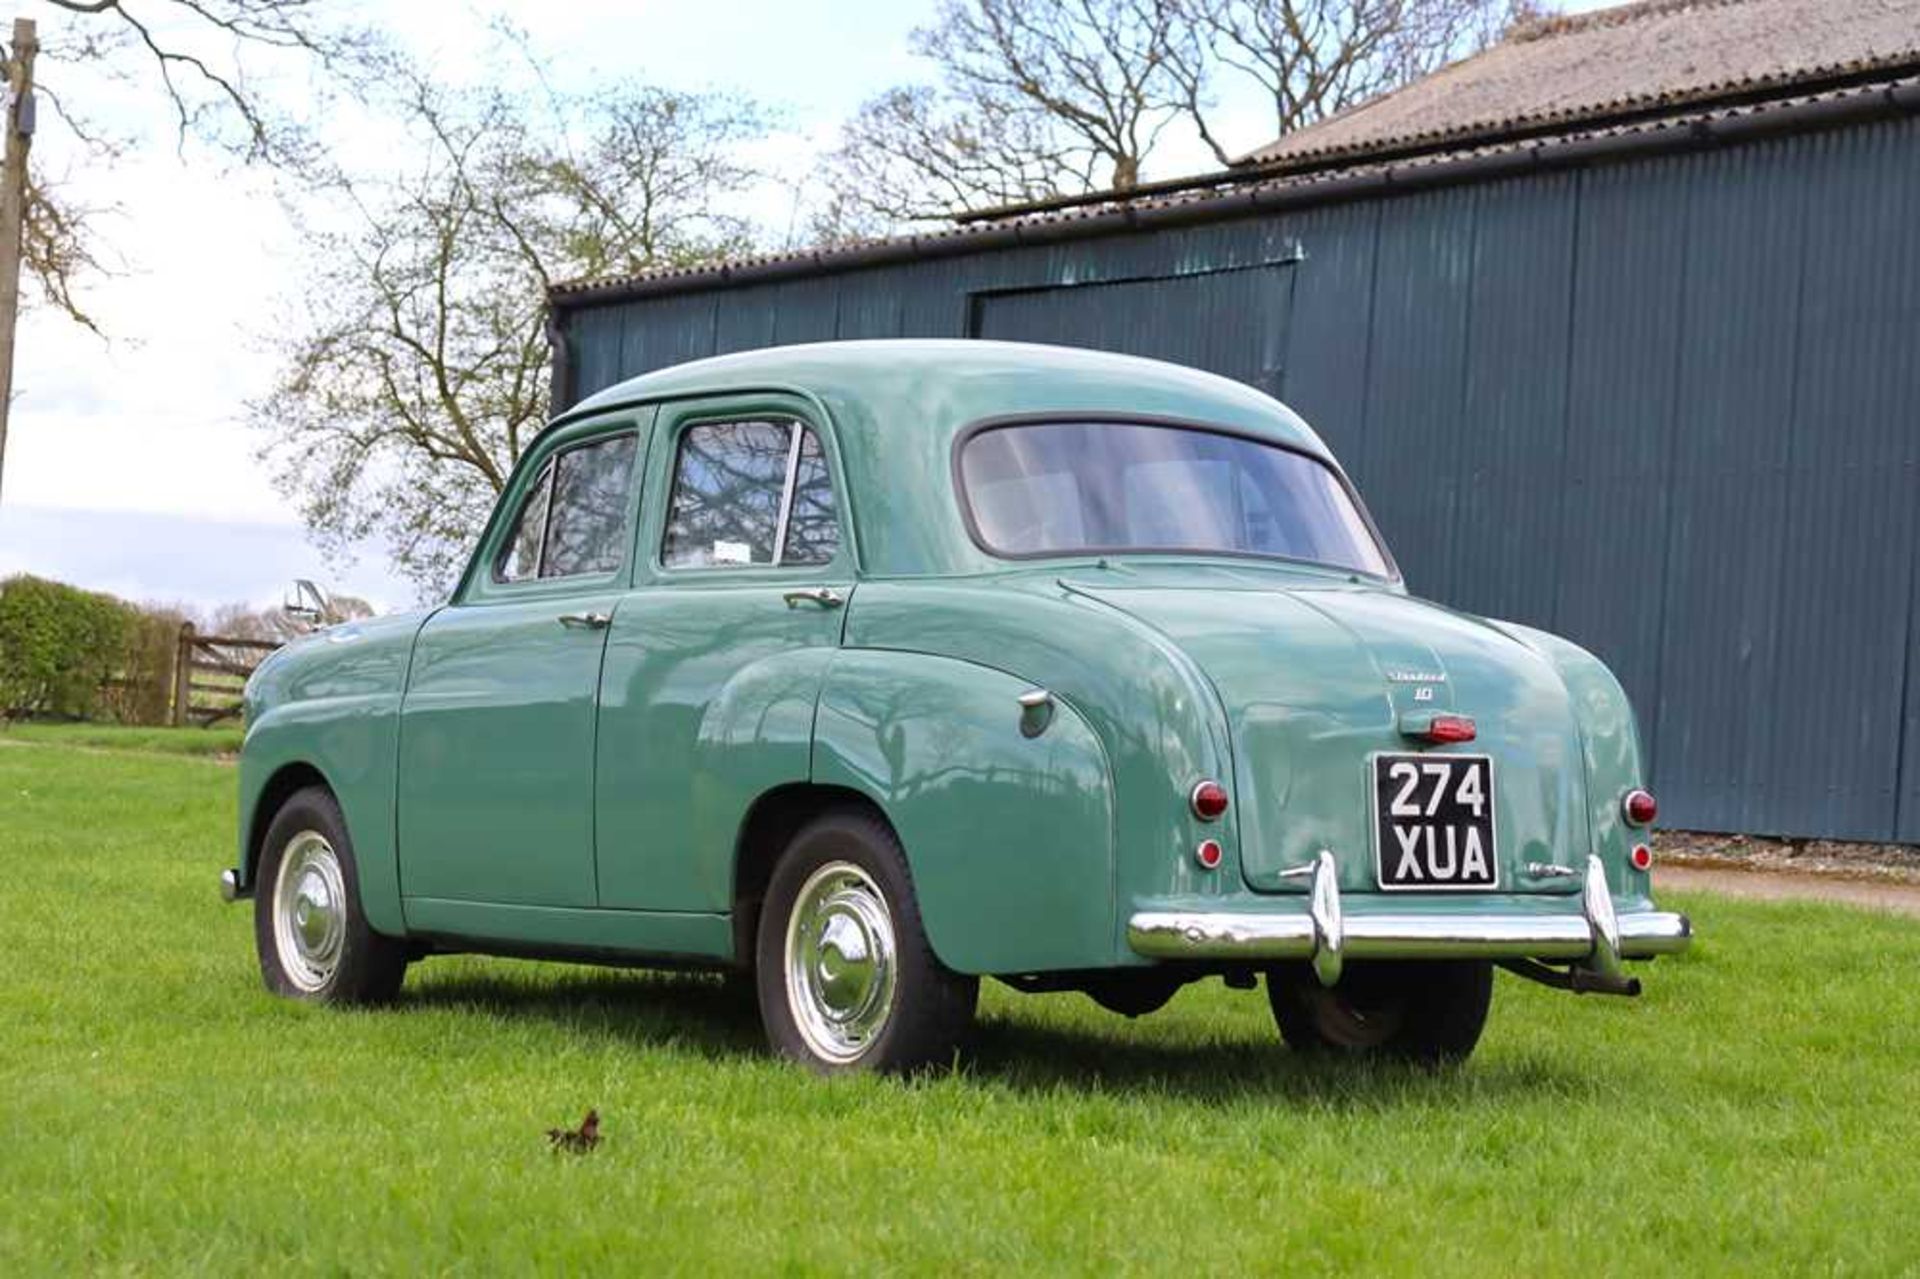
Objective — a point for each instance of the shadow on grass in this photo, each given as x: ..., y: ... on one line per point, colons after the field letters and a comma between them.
x: 718, y: 1019
x: 1030, y: 1056
x: 702, y: 1014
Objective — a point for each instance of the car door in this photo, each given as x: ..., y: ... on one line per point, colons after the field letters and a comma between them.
x: 496, y: 733
x: 715, y: 659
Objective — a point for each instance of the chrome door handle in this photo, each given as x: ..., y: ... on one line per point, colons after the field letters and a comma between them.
x: 825, y: 597
x: 586, y: 621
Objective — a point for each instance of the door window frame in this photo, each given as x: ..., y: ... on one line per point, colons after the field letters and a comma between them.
x: 483, y: 585
x: 548, y: 479
x: 678, y: 419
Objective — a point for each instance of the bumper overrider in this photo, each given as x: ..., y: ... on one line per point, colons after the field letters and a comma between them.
x: 1596, y: 939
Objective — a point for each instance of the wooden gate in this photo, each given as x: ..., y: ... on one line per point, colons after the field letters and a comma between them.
x: 209, y: 673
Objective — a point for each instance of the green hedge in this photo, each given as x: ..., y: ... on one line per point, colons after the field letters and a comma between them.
x: 74, y: 654
x: 143, y: 693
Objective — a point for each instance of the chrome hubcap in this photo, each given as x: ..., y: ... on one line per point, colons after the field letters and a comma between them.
x: 309, y: 911
x: 840, y: 962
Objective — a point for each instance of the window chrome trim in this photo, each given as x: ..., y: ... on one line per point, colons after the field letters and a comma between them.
x: 1098, y: 417
x: 794, y: 432
x: 546, y: 524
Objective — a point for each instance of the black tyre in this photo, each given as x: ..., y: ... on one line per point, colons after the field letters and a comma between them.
x: 846, y: 978
x: 313, y: 940
x: 1428, y: 1011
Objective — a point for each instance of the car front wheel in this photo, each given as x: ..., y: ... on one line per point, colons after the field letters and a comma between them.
x: 846, y: 977
x: 314, y: 942
x: 1429, y: 1011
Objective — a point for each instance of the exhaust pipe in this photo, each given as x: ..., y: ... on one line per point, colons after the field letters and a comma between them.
x: 1579, y: 980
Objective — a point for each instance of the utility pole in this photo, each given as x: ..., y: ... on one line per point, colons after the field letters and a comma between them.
x: 13, y: 205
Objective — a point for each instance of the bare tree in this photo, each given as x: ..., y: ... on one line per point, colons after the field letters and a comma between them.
x: 207, y: 64
x: 1094, y: 68
x: 1313, y: 58
x: 416, y: 368
x: 913, y: 154
x: 1037, y: 98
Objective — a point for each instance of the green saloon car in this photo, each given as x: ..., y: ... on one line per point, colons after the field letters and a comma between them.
x: 873, y: 668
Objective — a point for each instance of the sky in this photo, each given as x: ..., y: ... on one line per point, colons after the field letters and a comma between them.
x: 128, y: 465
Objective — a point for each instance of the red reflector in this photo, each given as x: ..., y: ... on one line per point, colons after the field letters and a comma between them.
x: 1209, y: 801
x: 1639, y: 807
x: 1450, y: 728
x: 1642, y: 857
x: 1208, y: 854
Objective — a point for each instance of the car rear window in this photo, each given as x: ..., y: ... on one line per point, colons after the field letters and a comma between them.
x: 1074, y: 488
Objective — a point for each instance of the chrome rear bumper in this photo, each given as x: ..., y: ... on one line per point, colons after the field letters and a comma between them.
x: 1596, y: 938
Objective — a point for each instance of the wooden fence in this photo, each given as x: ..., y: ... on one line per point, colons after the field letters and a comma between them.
x: 209, y: 673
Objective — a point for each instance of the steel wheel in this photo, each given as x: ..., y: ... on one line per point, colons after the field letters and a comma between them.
x: 1422, y: 1010
x: 841, y: 961
x: 313, y: 940
x: 309, y: 911
x: 846, y: 977
x: 1344, y: 1023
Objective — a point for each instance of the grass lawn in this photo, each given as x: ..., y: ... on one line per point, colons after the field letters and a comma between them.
x: 1755, y: 1112
x: 221, y: 739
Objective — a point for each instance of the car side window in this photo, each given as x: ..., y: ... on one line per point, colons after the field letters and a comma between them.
x: 520, y: 556
x: 813, y: 531
x: 750, y: 493
x: 574, y: 520
x: 592, y: 488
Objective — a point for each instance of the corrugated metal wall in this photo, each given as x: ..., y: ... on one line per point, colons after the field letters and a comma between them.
x: 1669, y: 408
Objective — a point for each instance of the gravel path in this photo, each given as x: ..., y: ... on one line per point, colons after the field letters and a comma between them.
x: 1768, y: 885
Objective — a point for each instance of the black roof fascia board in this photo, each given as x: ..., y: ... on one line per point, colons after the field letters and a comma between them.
x: 1657, y: 138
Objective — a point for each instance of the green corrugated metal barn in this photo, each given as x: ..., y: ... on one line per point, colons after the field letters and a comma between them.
x: 1617, y: 327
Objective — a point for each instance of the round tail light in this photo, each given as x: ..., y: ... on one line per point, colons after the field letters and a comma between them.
x: 1642, y: 857
x: 1640, y: 808
x: 1209, y: 800
x: 1208, y: 854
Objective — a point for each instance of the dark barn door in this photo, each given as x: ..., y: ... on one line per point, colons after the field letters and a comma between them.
x: 1231, y: 322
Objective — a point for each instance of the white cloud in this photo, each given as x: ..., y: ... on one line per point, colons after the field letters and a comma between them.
x: 149, y: 419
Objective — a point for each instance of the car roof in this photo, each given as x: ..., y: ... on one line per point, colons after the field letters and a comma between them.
x: 897, y: 405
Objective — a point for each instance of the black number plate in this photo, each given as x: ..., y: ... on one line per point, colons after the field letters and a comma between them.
x: 1433, y: 829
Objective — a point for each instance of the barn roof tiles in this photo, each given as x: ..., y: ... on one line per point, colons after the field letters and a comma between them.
x: 1657, y: 53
